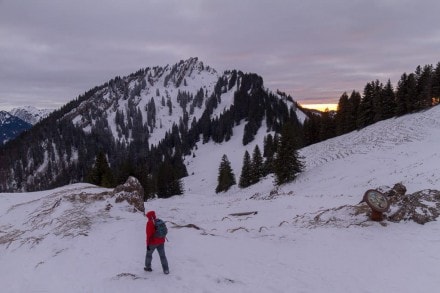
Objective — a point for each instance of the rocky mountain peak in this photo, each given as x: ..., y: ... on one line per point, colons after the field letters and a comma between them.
x: 30, y: 114
x: 4, y: 116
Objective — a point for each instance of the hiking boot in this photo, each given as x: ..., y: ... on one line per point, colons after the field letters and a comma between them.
x: 166, y: 272
x: 147, y: 269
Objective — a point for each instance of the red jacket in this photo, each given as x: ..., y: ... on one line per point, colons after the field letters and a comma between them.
x: 150, y: 230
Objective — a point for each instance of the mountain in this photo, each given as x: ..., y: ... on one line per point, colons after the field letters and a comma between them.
x: 30, y: 114
x: 11, y: 127
x: 149, y: 124
x: 311, y: 235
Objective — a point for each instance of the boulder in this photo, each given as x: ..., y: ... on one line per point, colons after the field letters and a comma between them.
x: 132, y: 192
x: 398, y: 190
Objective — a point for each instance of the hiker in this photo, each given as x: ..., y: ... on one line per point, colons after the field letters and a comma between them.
x: 154, y: 242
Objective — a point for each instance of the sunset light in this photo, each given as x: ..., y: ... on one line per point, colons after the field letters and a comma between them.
x: 320, y: 107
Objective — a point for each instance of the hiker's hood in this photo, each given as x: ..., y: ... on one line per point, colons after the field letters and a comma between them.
x: 151, y: 215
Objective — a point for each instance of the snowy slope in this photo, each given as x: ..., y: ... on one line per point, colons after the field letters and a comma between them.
x: 271, y: 251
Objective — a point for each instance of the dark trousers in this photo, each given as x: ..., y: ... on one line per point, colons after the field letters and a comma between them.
x: 161, y: 251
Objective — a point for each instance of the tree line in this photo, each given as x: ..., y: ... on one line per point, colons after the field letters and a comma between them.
x: 416, y: 91
x: 280, y: 157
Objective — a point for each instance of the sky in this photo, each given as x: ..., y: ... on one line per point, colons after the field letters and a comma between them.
x: 52, y: 51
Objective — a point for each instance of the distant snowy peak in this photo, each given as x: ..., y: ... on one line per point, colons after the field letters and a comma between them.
x: 30, y: 114
x: 4, y: 117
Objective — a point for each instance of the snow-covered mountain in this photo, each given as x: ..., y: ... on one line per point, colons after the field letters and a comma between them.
x: 30, y: 114
x: 165, y: 112
x: 11, y: 126
x: 153, y: 91
x: 77, y: 239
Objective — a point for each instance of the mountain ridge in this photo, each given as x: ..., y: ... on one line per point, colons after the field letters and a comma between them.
x: 30, y: 114
x: 159, y: 111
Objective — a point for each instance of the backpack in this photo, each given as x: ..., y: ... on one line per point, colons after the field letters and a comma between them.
x: 161, y: 229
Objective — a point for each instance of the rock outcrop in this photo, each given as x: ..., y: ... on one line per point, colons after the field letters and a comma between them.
x: 421, y: 207
x: 132, y: 192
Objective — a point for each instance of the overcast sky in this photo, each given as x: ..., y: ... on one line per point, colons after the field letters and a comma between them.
x: 53, y: 50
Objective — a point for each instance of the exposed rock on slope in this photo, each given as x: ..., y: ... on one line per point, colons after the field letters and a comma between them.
x: 132, y: 192
x: 421, y: 207
x: 68, y: 212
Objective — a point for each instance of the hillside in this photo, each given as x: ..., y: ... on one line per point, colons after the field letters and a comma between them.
x: 281, y: 248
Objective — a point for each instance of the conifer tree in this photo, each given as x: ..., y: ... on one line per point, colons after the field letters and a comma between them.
x: 226, y: 177
x: 168, y: 183
x: 246, y: 171
x: 327, y: 127
x: 354, y: 100
x: 401, y: 104
x: 366, y: 107
x: 343, y: 114
x: 436, y: 84
x: 424, y: 87
x: 388, y: 101
x: 287, y: 161
x: 101, y: 173
x: 257, y: 165
x: 406, y: 94
x: 311, y: 129
x: 268, y: 154
x: 377, y: 101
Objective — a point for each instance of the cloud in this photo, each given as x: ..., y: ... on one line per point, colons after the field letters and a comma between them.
x: 55, y: 50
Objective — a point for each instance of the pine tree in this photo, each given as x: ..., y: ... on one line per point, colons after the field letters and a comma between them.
x: 101, y: 173
x: 424, y: 87
x: 268, y: 154
x: 246, y: 171
x: 388, y: 101
x: 168, y: 183
x: 311, y: 128
x: 366, y: 107
x: 406, y: 94
x: 401, y: 104
x: 287, y: 162
x: 226, y: 177
x: 257, y: 166
x: 327, y: 128
x: 343, y: 115
x: 436, y: 84
x: 354, y: 101
x: 377, y: 101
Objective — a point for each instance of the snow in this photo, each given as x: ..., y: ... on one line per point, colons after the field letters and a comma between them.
x: 275, y: 250
x: 30, y: 114
x: 4, y: 117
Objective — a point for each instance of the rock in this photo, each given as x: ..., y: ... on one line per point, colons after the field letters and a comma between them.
x: 420, y: 207
x: 398, y: 190
x: 132, y: 192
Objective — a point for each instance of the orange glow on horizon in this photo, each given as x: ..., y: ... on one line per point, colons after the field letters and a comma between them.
x: 321, y: 107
